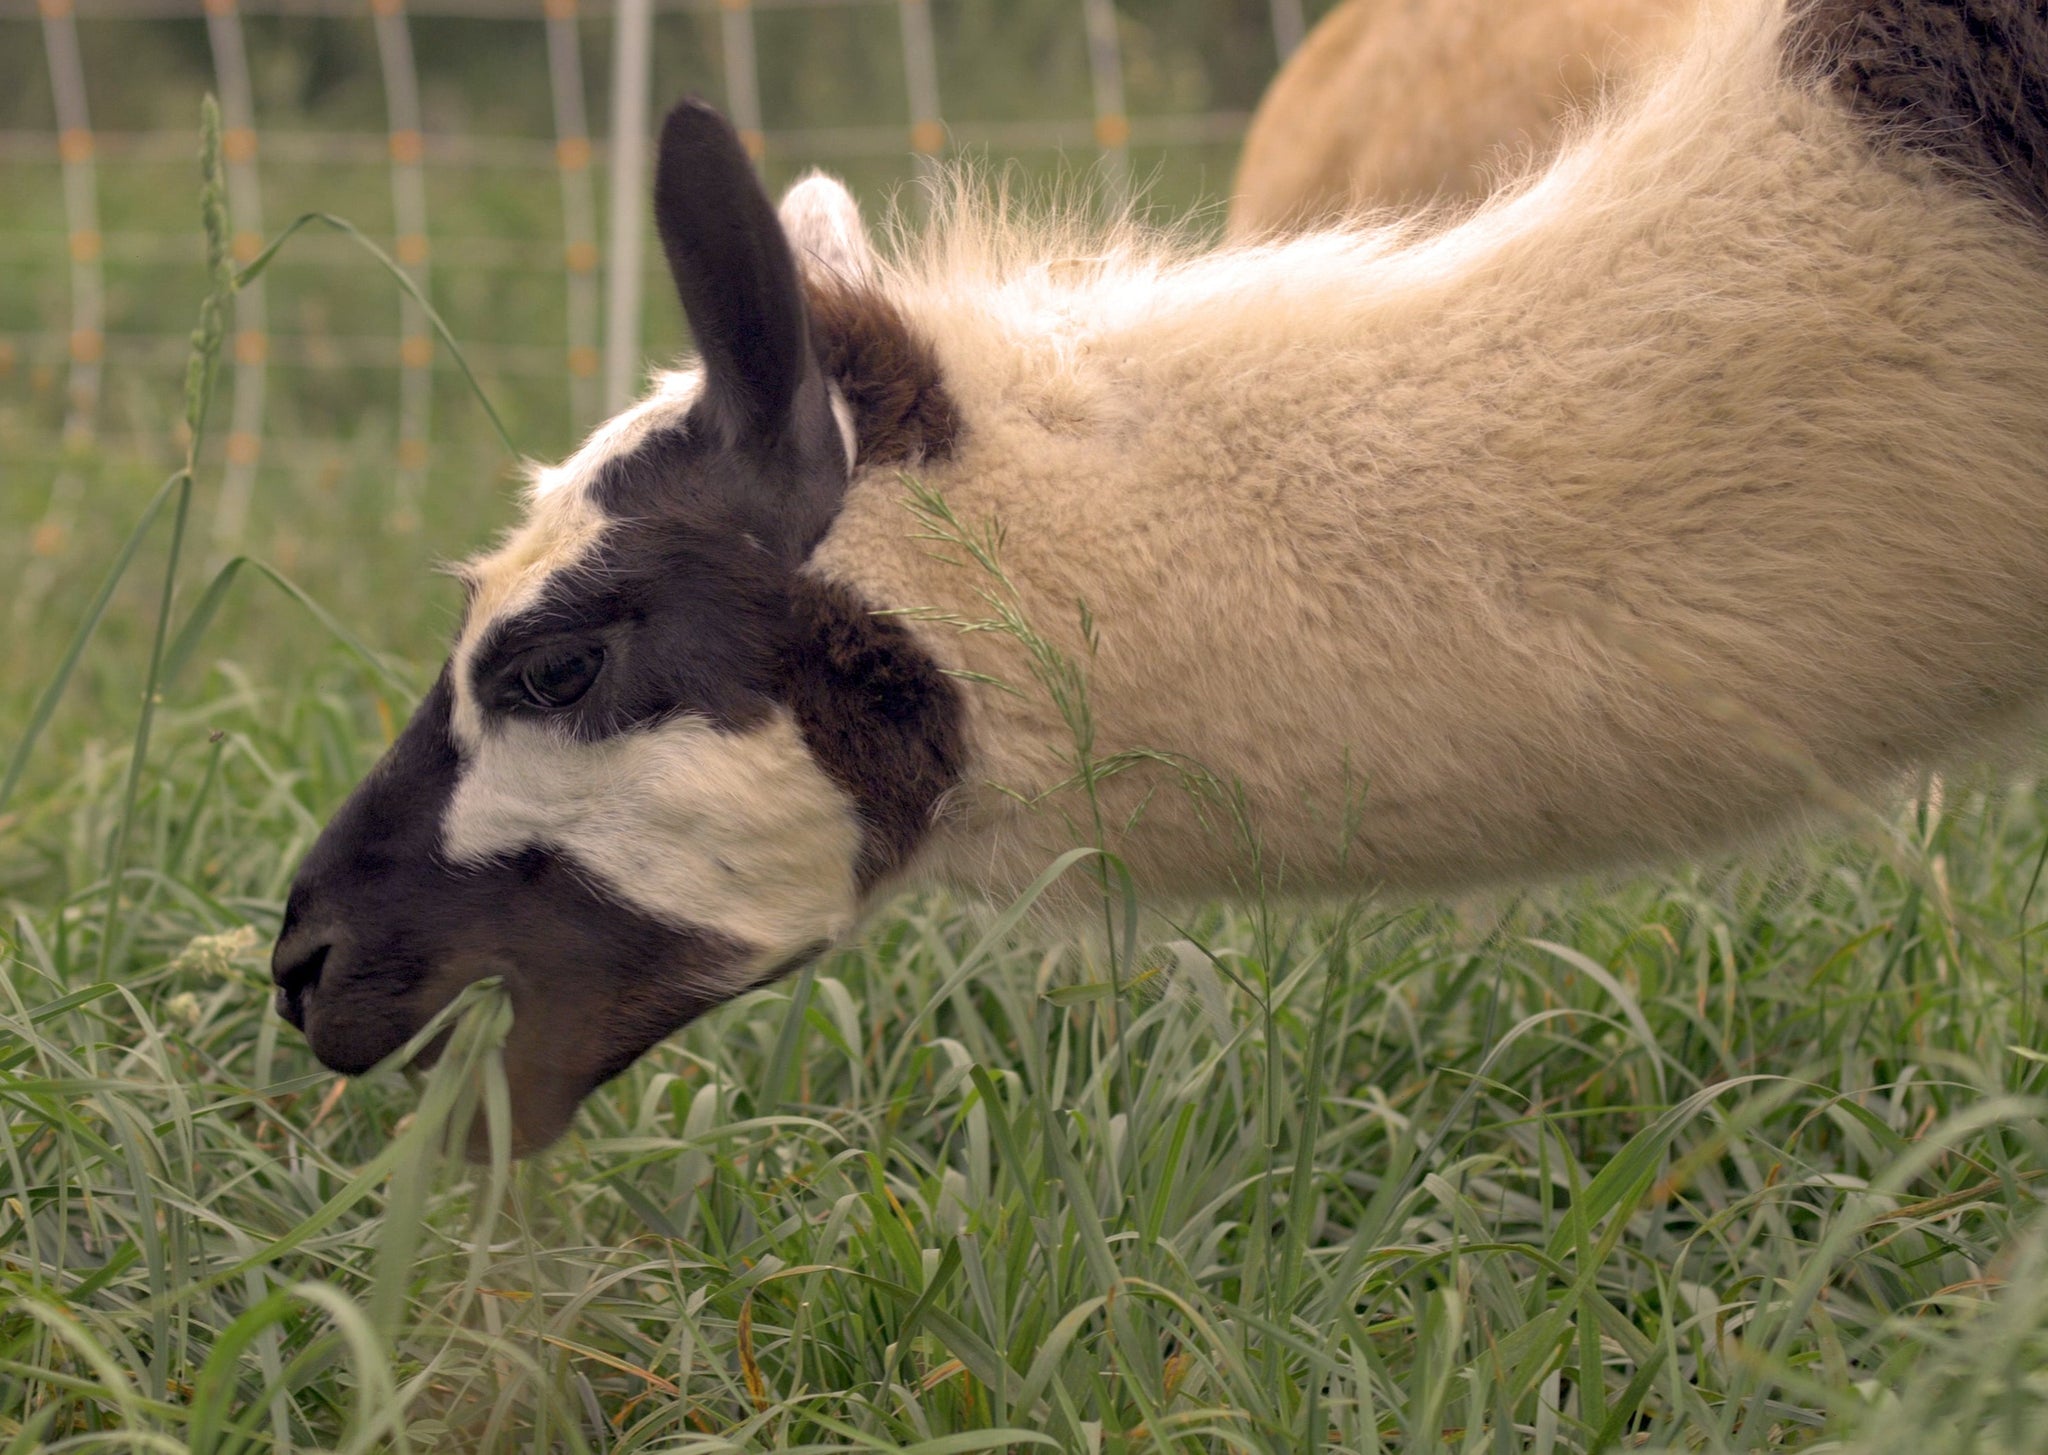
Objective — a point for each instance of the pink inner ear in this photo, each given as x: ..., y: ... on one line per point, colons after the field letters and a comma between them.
x: 825, y: 230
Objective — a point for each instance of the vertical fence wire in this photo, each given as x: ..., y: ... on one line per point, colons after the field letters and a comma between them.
x: 1112, y: 118
x: 602, y: 253
x: 921, y: 80
x: 245, y: 213
x: 632, y: 59
x: 579, y: 207
x: 1289, y: 26
x: 75, y: 152
x: 742, y: 74
x: 409, y: 214
x: 87, y: 337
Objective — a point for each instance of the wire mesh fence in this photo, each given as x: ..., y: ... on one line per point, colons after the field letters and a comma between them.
x: 554, y: 311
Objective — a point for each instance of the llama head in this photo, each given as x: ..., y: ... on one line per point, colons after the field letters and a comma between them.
x: 663, y: 763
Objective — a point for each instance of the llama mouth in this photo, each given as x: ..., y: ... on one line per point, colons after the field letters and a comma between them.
x: 429, y: 1057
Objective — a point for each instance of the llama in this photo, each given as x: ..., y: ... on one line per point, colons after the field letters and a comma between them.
x: 1705, y: 467
x: 1392, y: 103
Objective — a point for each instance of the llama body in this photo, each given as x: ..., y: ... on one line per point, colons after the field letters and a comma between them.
x: 1394, y: 103
x: 1482, y: 537
x: 1598, y: 527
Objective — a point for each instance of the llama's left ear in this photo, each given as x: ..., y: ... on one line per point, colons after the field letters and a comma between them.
x: 825, y: 230
x: 733, y: 270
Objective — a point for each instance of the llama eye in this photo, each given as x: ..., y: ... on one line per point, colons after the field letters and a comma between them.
x: 557, y: 679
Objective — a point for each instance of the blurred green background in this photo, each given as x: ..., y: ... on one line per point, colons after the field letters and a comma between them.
x: 1015, y: 88
x: 1494, y: 1110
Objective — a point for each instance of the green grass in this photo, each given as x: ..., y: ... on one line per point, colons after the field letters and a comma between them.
x: 1748, y: 1161
x: 1740, y: 1158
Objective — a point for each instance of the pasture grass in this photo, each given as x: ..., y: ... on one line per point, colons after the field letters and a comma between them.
x: 1739, y: 1158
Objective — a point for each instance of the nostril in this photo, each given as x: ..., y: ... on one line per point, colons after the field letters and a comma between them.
x: 296, y: 967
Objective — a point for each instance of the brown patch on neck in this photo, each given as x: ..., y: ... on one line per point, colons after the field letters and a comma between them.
x: 1964, y: 80
x: 881, y: 717
x: 890, y: 375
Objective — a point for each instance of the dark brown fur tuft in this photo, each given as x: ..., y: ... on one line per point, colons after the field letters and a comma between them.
x: 1964, y: 80
x: 880, y: 716
x: 890, y: 376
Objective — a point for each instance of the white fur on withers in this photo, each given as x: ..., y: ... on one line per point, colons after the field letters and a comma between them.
x: 1591, y: 530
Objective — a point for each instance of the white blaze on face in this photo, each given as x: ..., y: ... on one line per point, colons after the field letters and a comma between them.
x: 561, y: 528
x: 666, y: 404
x: 741, y: 833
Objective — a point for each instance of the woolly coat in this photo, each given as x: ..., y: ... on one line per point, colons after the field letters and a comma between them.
x: 1402, y: 103
x: 1696, y: 478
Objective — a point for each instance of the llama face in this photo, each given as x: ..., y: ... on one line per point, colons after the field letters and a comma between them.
x: 647, y: 779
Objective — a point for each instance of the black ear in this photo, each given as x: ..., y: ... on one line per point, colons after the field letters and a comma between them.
x: 734, y: 271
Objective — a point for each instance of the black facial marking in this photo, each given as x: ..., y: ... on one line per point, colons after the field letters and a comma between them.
x: 880, y: 716
x: 381, y: 930
x: 784, y: 492
x: 690, y: 620
x: 698, y: 623
x: 1965, y: 80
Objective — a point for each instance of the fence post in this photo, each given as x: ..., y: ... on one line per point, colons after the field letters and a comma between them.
x: 603, y: 244
x: 632, y: 59
x: 1288, y: 27
x: 86, y: 344
x: 251, y: 348
x: 921, y: 80
x: 1112, y: 119
x: 409, y: 212
x: 743, y: 75
x: 579, y: 207
x: 75, y: 150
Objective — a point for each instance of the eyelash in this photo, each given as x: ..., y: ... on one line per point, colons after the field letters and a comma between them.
x: 576, y: 669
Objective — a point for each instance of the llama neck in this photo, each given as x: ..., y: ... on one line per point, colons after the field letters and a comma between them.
x: 1629, y: 517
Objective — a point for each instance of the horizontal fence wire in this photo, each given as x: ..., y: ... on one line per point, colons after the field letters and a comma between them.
x: 598, y: 365
x: 538, y: 154
x: 355, y: 9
